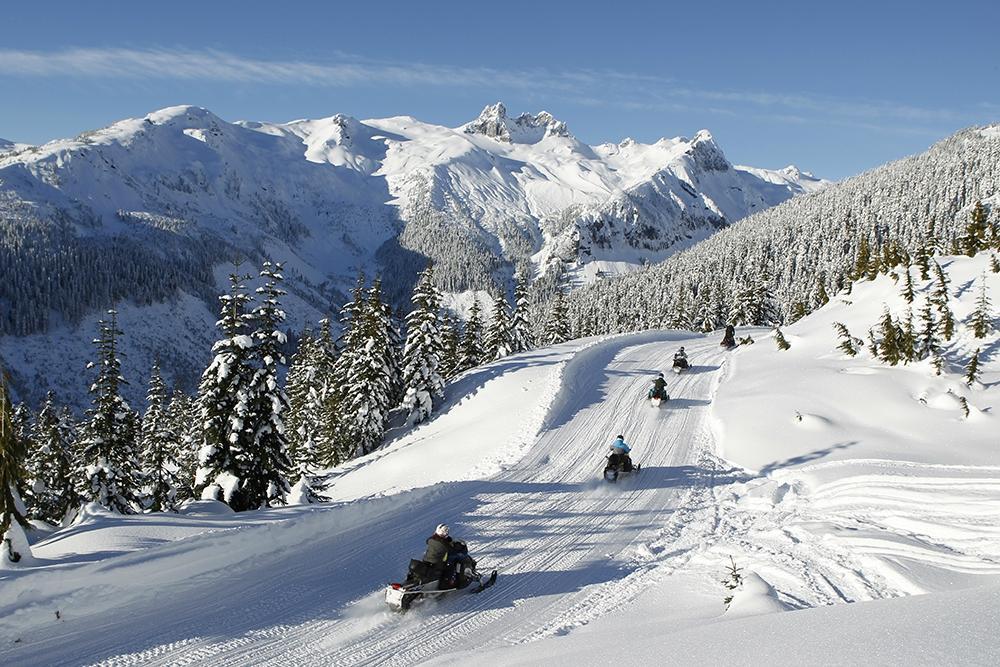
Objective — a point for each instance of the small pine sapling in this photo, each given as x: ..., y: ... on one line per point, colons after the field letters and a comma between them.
x: 780, y: 340
x: 994, y: 264
x: 848, y: 343
x: 964, y: 403
x: 733, y: 581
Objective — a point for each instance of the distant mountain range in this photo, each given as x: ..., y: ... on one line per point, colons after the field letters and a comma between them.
x: 151, y: 213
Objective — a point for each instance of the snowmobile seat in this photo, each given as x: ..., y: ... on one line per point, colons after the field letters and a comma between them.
x: 422, y: 571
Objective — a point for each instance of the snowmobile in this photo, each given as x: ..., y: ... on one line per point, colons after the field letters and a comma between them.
x: 619, y: 465
x: 657, y: 397
x: 729, y: 338
x: 680, y: 365
x: 426, y: 580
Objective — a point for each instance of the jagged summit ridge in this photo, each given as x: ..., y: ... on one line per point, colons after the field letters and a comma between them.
x: 493, y: 122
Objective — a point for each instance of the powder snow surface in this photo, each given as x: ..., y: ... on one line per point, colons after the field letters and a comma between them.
x: 828, y: 480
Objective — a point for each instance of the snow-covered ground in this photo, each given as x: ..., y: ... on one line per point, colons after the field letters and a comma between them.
x: 827, y: 479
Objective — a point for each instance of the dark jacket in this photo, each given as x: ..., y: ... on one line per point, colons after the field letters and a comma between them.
x: 437, y: 549
x: 659, y: 384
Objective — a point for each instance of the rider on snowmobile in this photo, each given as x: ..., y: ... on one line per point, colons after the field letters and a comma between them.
x: 729, y: 338
x: 659, y: 388
x: 681, y: 358
x: 621, y: 450
x: 445, y: 553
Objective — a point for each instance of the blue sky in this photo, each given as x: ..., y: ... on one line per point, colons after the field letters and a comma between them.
x: 834, y: 87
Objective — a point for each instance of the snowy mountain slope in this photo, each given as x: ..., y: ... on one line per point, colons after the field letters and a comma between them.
x: 830, y: 508
x: 148, y: 210
x: 792, y: 249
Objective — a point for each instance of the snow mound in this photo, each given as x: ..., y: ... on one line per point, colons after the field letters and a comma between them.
x: 755, y: 597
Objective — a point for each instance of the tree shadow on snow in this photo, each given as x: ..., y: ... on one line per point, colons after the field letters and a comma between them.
x: 805, y: 458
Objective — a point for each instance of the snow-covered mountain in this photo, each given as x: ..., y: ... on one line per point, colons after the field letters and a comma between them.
x: 797, y: 252
x: 151, y: 213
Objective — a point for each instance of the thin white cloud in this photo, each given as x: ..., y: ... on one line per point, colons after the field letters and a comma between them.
x: 592, y: 87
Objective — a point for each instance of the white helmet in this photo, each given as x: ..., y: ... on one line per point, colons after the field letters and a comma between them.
x: 441, y: 530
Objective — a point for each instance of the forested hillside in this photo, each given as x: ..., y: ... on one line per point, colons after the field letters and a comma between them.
x: 779, y: 264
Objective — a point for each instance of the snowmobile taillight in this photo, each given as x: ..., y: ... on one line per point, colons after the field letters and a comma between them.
x: 396, y: 586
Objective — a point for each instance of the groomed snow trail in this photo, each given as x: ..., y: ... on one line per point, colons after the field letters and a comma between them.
x: 557, y: 533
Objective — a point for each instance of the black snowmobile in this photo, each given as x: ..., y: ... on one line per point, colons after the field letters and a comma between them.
x: 618, y: 465
x: 428, y: 580
x: 729, y: 338
x: 680, y: 365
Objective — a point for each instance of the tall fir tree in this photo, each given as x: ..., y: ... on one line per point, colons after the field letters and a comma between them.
x: 14, y: 547
x: 557, y: 325
x: 306, y: 385
x: 265, y: 465
x: 422, y: 380
x: 908, y: 293
x: 159, y: 446
x: 371, y: 385
x: 182, y: 415
x: 51, y: 465
x: 889, y: 343
x: 941, y: 302
x: 470, y: 352
x: 450, y: 340
x: 974, y: 236
x: 112, y: 477
x: 499, y: 338
x: 820, y: 295
x: 928, y: 343
x: 863, y: 260
x: 521, y: 333
x: 982, y: 320
x: 972, y: 371
x: 223, y: 397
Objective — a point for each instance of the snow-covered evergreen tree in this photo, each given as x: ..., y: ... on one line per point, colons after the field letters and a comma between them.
x: 972, y: 371
x: 982, y: 320
x: 182, y: 415
x: 159, y: 445
x: 940, y: 300
x: 306, y: 384
x: 51, y: 466
x: 557, y: 327
x: 370, y: 383
x: 928, y: 343
x: 521, y: 330
x: 422, y: 381
x: 112, y: 477
x: 470, y: 352
x: 908, y: 293
x: 780, y: 340
x: 974, y: 237
x: 223, y: 399
x: 450, y: 340
x: 265, y: 465
x: 499, y: 339
x: 14, y: 546
x: 849, y: 345
x: 889, y: 342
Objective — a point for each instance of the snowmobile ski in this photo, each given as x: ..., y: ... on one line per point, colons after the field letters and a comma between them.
x: 483, y: 585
